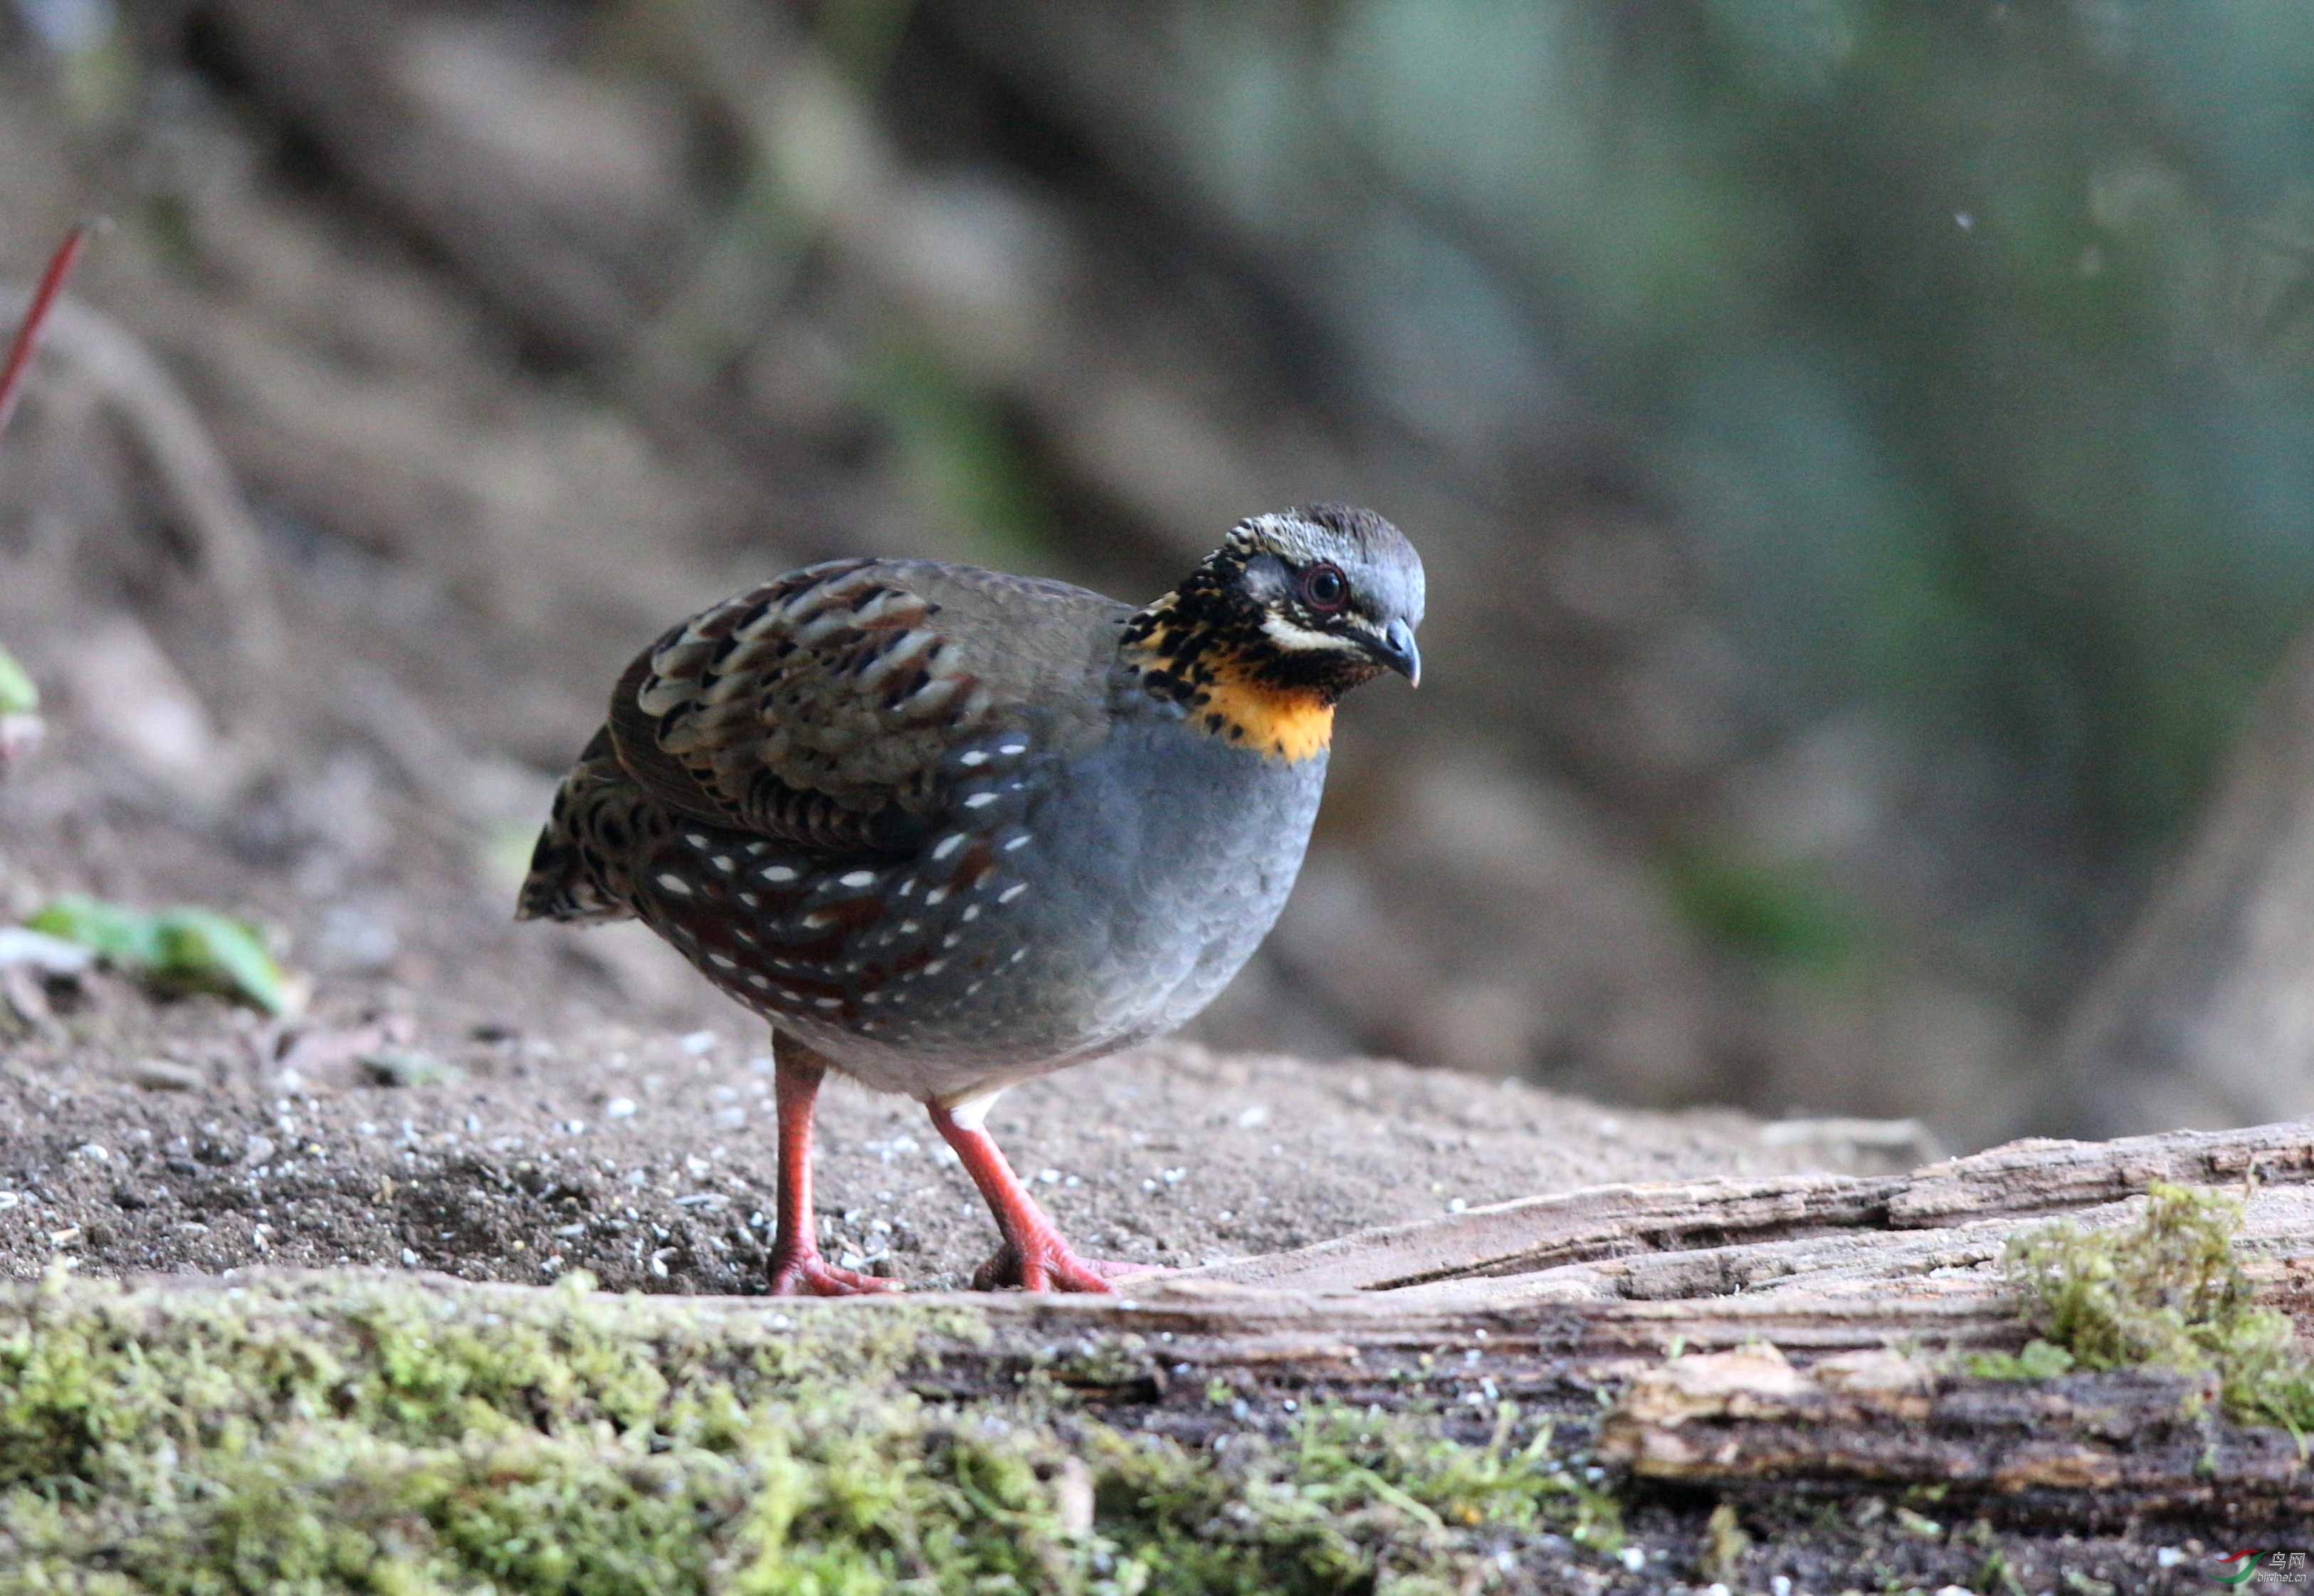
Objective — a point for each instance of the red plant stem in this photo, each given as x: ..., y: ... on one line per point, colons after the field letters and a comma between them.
x: 28, y: 331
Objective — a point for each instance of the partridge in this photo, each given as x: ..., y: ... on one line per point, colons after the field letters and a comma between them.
x: 949, y: 829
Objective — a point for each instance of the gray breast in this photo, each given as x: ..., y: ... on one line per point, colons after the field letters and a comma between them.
x: 1066, y: 906
x: 1172, y: 855
x: 1128, y: 887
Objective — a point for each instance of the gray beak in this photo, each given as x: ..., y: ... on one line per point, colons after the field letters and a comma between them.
x: 1395, y: 648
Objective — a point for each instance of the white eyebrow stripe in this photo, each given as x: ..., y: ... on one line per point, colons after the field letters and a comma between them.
x: 1286, y: 634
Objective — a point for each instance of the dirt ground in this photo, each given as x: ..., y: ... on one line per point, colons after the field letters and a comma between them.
x: 508, y: 1102
x: 186, y: 1137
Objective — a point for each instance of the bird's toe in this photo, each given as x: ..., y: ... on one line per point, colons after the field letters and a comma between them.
x: 811, y: 1275
x: 1053, y: 1268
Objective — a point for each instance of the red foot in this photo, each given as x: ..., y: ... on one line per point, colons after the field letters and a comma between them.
x: 807, y: 1275
x: 1053, y: 1268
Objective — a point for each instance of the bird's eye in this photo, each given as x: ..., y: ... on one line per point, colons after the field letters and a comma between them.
x: 1324, y: 588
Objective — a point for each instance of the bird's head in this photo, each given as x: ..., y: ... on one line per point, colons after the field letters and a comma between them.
x: 1294, y: 609
x: 1338, y: 590
x: 1318, y: 598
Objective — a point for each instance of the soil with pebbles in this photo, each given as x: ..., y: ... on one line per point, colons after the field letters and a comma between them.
x: 644, y: 1156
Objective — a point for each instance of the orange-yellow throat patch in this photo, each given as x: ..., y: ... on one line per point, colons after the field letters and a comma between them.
x: 1290, y: 724
x: 1225, y: 699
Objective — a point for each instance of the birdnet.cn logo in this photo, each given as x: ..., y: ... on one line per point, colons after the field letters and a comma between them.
x: 2255, y: 1568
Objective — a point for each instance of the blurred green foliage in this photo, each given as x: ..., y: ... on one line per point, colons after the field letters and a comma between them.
x: 1969, y: 340
x: 181, y: 949
x: 1778, y: 914
x: 954, y: 451
x: 18, y: 692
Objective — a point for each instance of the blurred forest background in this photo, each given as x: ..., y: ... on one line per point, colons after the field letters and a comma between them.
x: 1864, y: 454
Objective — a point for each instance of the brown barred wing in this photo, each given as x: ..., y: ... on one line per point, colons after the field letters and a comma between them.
x: 820, y: 708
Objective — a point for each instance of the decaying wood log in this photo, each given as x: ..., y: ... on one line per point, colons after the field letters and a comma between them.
x: 1739, y: 1220
x: 1796, y: 1333
x: 2088, y: 1449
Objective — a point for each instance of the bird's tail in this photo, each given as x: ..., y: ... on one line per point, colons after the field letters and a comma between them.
x: 573, y: 877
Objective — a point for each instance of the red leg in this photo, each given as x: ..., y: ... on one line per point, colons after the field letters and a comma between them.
x: 1033, y: 1255
x: 797, y: 1268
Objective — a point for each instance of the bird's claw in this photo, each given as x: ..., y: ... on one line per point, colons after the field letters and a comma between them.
x: 1053, y: 1266
x: 807, y: 1275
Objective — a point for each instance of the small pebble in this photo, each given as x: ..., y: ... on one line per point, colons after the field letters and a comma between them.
x: 408, y: 1259
x: 698, y: 1041
x: 620, y: 1108
x: 1633, y: 1559
x: 165, y: 1075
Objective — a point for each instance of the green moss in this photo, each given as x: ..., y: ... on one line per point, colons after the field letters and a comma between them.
x: 2037, y: 1360
x: 1725, y: 1545
x: 355, y: 1432
x: 2167, y: 1291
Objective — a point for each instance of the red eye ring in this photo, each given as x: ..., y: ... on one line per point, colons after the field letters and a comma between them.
x: 1324, y: 588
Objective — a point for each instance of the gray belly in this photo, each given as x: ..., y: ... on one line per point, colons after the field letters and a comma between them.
x: 1131, y: 901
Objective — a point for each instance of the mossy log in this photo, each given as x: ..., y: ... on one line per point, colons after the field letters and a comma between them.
x: 1796, y: 1333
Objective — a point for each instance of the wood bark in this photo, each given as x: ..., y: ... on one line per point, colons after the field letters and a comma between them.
x: 1790, y: 1335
